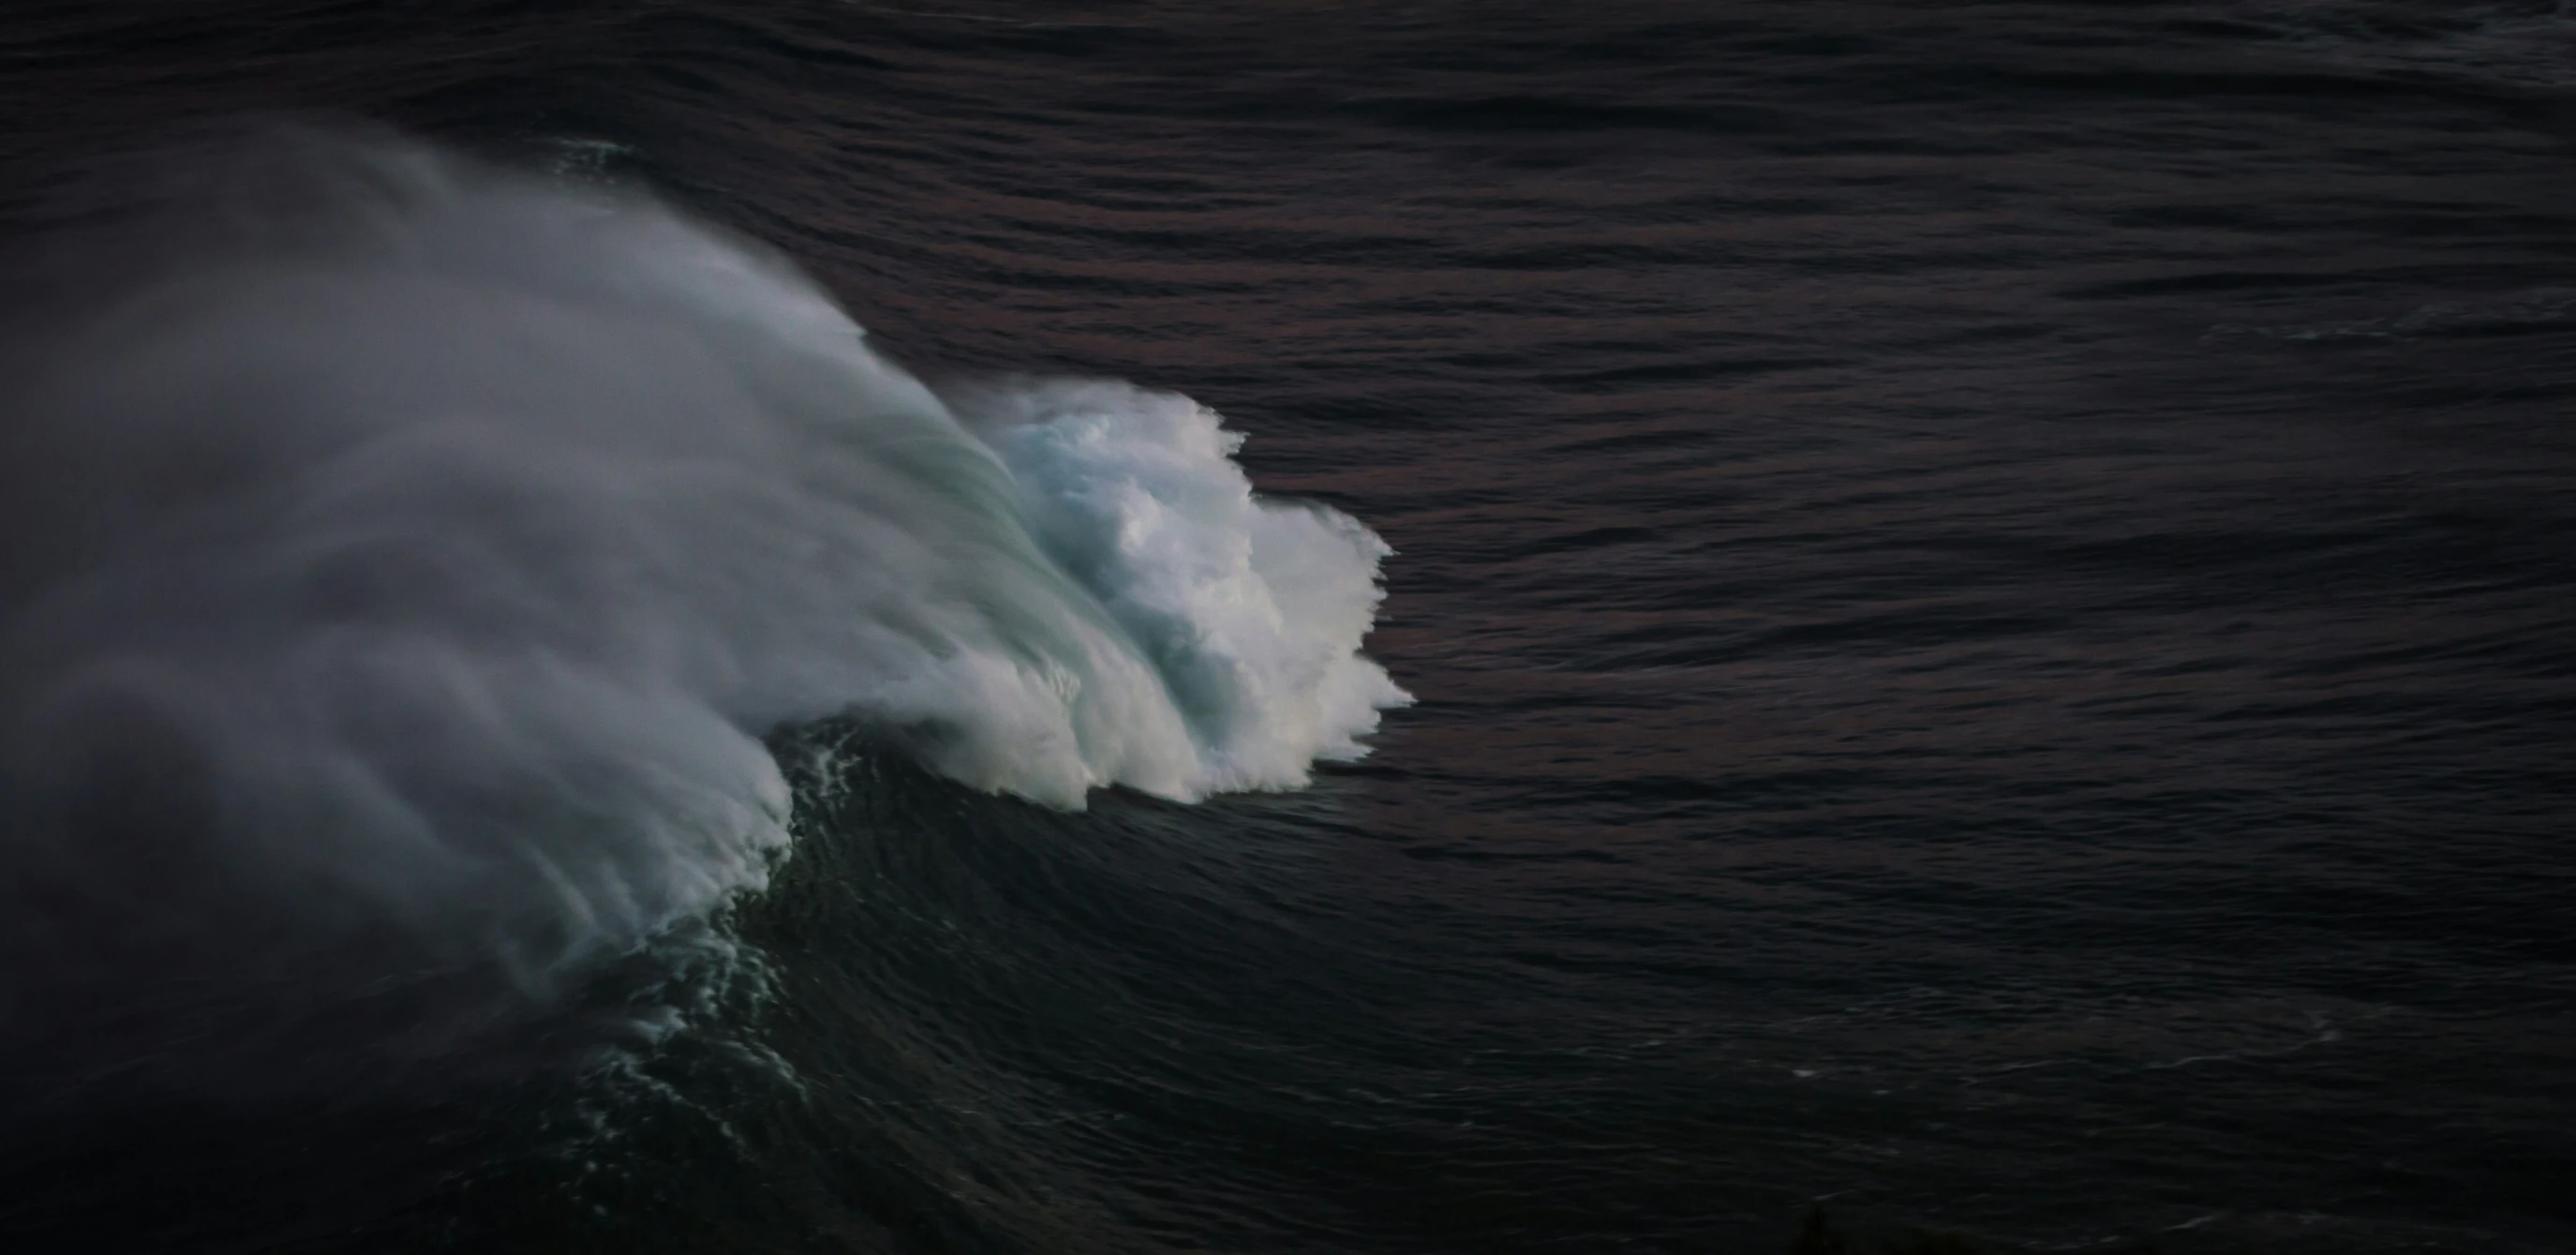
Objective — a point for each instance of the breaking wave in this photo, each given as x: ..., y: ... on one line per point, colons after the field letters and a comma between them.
x: 405, y: 559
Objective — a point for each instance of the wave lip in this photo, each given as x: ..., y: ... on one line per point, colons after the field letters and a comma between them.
x: 404, y: 559
x: 1251, y: 611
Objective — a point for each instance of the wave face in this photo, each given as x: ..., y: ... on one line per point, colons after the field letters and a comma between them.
x: 404, y: 560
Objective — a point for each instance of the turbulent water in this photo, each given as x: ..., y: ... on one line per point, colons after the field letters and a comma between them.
x: 1988, y: 587
x: 410, y: 556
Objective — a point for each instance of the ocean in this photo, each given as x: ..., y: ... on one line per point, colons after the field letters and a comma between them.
x: 1415, y: 627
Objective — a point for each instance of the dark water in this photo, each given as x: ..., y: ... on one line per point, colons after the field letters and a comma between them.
x: 1990, y: 588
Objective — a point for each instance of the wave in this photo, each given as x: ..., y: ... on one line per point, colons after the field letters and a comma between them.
x: 404, y: 560
x: 2515, y: 46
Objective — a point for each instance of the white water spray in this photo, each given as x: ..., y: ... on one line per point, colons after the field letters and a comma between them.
x: 402, y: 561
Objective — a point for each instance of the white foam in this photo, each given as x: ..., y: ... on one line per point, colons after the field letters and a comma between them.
x: 403, y: 559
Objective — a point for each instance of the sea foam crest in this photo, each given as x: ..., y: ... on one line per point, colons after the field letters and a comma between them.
x: 403, y: 561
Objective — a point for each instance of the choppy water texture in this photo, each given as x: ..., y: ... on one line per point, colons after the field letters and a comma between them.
x: 1989, y: 588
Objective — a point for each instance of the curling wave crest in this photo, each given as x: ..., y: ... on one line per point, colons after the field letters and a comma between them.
x: 405, y: 559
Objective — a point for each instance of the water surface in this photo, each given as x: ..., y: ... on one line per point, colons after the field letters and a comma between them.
x: 1988, y: 587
